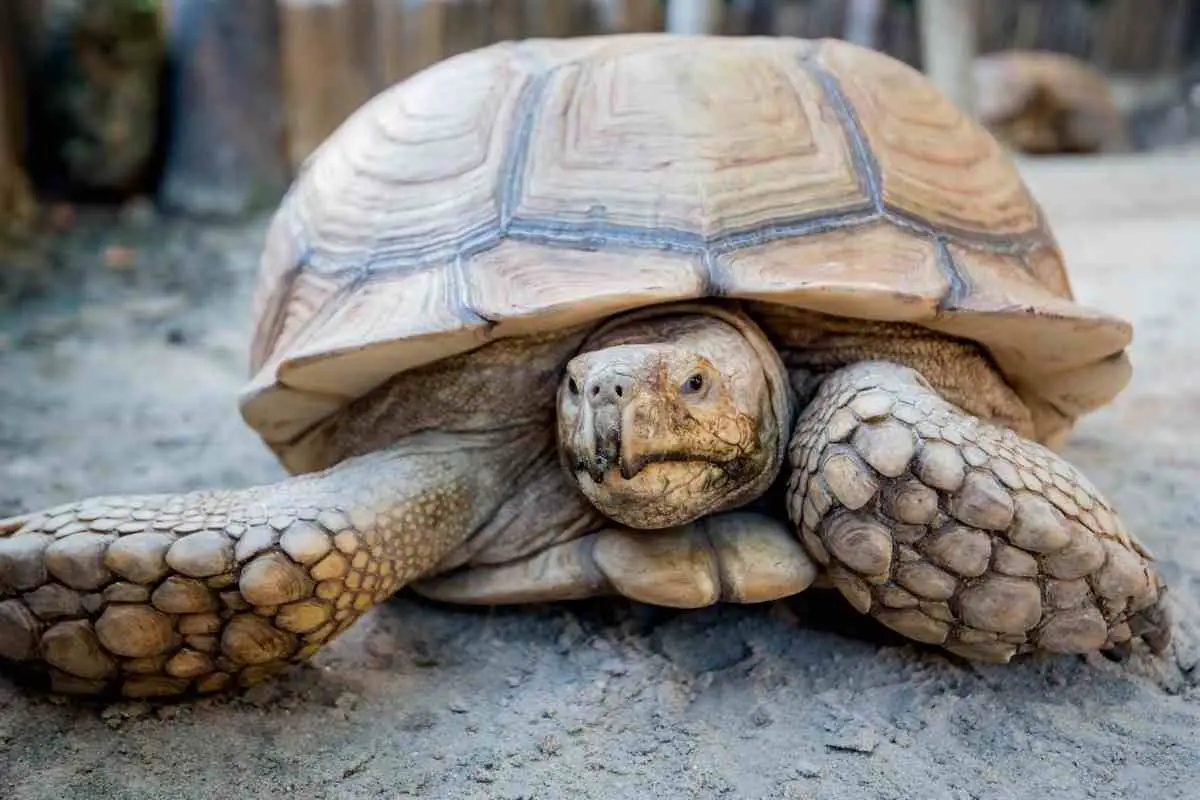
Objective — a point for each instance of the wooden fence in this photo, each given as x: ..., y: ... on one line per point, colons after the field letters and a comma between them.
x: 252, y: 86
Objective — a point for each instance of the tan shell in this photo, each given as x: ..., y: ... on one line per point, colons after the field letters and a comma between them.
x: 525, y: 187
x: 1044, y: 102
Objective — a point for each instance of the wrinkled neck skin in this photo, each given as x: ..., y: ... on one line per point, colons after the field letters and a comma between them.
x: 670, y: 414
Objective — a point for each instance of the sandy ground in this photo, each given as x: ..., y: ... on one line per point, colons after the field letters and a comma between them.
x: 124, y: 380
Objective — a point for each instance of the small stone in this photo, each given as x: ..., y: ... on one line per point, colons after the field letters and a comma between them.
x: 1038, y: 526
x: 199, y: 555
x: 139, y: 557
x: 1002, y: 604
x: 924, y: 579
x: 912, y: 502
x: 22, y: 561
x: 912, y: 623
x: 886, y: 446
x: 854, y: 739
x: 1011, y: 561
x: 178, y: 595
x: 1080, y: 630
x: 961, y: 550
x: 1082, y: 556
x: 848, y: 479
x: 939, y: 465
x: 982, y: 503
x: 78, y: 561
x: 305, y: 542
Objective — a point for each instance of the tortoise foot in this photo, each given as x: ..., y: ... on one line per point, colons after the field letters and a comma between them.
x: 957, y: 532
x: 159, y: 596
x: 737, y: 557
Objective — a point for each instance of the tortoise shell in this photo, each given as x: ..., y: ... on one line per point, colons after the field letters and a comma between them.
x: 527, y: 187
x: 1043, y: 102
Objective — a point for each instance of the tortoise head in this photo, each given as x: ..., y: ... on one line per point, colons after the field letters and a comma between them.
x: 666, y: 416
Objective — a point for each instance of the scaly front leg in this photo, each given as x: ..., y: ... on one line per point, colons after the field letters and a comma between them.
x: 162, y: 595
x: 957, y: 532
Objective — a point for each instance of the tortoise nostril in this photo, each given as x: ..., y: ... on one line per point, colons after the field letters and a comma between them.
x: 620, y: 390
x: 595, y: 390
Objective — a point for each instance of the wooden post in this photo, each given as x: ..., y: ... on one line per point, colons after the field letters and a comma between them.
x: 633, y: 16
x: 326, y: 70
x: 16, y: 198
x: 226, y: 149
x: 948, y: 47
x: 695, y: 16
x: 862, y: 22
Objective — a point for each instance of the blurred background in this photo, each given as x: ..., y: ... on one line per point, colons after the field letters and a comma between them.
x: 207, y: 107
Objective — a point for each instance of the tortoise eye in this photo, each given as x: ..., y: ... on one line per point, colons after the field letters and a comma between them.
x: 572, y: 386
x: 693, y: 384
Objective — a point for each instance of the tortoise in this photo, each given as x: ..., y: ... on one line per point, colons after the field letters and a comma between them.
x: 684, y: 319
x: 1040, y: 102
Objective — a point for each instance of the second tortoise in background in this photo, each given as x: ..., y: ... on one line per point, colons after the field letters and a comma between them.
x: 1041, y: 102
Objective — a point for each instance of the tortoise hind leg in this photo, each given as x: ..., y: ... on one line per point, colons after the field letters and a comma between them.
x: 957, y: 532
x: 166, y: 595
x: 739, y: 557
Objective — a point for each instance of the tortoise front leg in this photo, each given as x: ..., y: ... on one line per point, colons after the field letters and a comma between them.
x: 957, y: 532
x: 163, y: 595
x: 738, y: 557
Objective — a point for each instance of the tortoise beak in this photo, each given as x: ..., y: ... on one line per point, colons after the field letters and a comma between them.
x: 603, y: 423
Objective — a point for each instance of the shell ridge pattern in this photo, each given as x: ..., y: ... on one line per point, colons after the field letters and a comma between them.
x: 960, y: 288
x: 596, y: 233
x: 866, y: 166
x: 516, y: 160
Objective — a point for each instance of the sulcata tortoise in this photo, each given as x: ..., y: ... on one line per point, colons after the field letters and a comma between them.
x: 687, y: 320
x: 1041, y: 102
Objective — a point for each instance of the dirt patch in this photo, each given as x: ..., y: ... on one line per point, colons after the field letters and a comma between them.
x: 118, y: 372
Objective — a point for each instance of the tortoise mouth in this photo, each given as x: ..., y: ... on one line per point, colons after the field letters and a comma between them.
x: 602, y: 468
